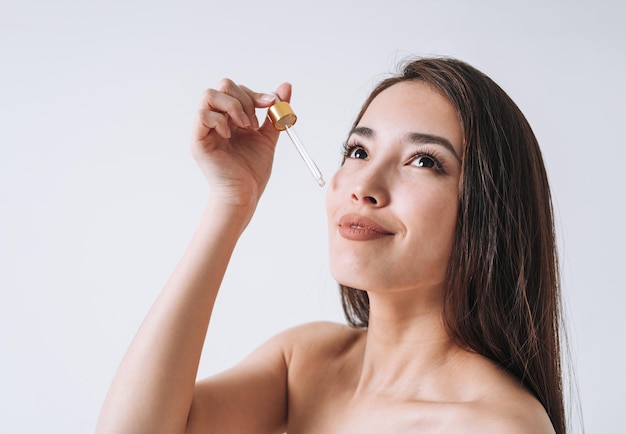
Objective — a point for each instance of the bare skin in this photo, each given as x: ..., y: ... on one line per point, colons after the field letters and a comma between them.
x: 403, y: 373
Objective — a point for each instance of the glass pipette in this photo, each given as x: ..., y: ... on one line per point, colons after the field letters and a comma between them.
x: 283, y: 118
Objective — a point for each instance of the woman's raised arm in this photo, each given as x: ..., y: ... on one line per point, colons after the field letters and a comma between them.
x: 153, y: 389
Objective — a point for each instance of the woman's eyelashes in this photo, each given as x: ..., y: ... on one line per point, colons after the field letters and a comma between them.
x: 355, y: 151
x: 422, y: 158
x: 429, y: 160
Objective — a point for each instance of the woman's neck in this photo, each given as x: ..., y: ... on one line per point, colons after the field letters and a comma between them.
x: 408, y: 350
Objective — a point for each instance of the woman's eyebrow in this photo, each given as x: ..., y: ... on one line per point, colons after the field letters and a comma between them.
x: 415, y: 138
x: 363, y: 132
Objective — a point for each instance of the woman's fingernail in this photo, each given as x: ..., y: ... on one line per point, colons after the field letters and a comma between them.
x: 267, y: 97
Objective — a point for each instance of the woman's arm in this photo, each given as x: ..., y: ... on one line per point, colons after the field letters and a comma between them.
x: 154, y: 386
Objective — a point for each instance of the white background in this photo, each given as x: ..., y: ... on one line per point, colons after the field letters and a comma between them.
x: 99, y: 195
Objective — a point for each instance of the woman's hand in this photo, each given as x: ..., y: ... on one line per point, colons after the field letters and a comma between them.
x: 233, y: 152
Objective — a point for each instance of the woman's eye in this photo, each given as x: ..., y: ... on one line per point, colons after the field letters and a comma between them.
x: 358, y: 153
x: 425, y: 161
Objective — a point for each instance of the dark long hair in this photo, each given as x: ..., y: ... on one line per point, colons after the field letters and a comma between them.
x: 502, y: 297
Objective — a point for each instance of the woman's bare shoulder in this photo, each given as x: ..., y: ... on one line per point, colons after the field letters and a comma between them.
x: 322, y: 330
x: 503, y: 405
x: 321, y: 333
x: 512, y: 417
x: 318, y: 341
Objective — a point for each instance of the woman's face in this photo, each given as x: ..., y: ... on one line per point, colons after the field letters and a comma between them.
x: 392, y: 206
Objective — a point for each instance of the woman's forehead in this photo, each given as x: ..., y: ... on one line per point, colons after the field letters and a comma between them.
x: 414, y: 107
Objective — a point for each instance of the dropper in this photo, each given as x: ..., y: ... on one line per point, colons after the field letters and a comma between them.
x: 283, y: 118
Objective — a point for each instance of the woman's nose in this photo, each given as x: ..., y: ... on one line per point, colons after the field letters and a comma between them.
x: 370, y: 189
x: 370, y: 199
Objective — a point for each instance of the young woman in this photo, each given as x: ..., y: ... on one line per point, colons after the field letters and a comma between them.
x: 441, y: 237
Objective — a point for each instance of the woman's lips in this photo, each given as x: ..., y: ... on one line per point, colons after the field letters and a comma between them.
x: 358, y: 228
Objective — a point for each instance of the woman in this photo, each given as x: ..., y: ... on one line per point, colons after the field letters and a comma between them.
x: 441, y: 237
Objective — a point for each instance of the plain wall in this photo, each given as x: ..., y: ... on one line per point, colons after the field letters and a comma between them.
x: 99, y: 194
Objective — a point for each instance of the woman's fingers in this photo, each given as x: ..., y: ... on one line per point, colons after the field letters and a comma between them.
x: 216, y: 100
x: 207, y: 120
x: 234, y: 105
x: 284, y: 92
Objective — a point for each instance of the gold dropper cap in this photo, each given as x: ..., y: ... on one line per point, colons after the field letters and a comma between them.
x: 281, y: 115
